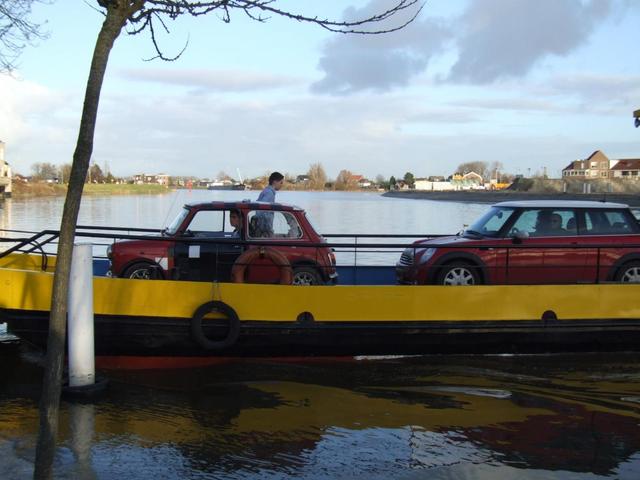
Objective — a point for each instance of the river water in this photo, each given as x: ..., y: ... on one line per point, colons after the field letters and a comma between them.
x: 436, y: 417
x: 331, y: 212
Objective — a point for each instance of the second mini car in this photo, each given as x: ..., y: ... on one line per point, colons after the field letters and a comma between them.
x: 532, y: 242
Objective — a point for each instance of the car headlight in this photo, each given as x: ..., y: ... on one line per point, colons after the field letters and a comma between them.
x: 406, y: 259
x: 427, y: 253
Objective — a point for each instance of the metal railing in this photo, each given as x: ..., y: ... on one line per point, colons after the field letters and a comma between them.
x: 365, y: 251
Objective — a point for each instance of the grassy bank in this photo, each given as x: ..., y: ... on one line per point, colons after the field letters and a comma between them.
x: 21, y: 190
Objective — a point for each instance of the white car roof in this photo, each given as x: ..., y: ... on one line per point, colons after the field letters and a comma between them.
x: 560, y: 204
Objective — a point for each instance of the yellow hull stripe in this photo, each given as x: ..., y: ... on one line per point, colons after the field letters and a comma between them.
x: 23, y: 289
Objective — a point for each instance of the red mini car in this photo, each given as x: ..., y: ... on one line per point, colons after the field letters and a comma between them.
x: 532, y: 242
x: 207, y: 240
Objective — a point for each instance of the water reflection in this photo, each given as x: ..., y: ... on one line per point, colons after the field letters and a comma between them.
x: 462, y: 417
x: 5, y: 215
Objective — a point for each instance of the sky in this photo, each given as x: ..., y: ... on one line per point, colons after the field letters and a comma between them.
x: 533, y: 85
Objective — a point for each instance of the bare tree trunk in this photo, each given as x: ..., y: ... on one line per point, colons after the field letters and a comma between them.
x: 51, y: 388
x: 118, y: 13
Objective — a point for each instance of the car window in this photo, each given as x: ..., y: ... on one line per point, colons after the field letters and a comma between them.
x: 544, y: 222
x: 492, y: 221
x: 526, y: 223
x: 207, y: 221
x: 291, y: 228
x: 270, y: 224
x: 175, y: 224
x: 607, y: 222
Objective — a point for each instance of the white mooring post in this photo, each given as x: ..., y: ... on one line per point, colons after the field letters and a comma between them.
x: 80, y: 318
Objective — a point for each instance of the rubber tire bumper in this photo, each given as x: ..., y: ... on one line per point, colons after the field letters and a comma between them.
x: 196, y: 326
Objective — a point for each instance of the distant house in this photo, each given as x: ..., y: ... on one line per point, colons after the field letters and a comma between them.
x: 159, y: 178
x: 365, y: 183
x: 596, y: 165
x: 467, y: 181
x: 627, y: 168
x: 162, y: 179
x: 473, y: 178
x: 302, y: 178
x: 429, y: 184
x: 5, y: 174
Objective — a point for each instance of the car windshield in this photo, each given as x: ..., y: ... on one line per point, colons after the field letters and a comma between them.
x: 491, y: 222
x: 175, y: 224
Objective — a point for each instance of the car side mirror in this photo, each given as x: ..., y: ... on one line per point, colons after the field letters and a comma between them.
x: 518, y: 236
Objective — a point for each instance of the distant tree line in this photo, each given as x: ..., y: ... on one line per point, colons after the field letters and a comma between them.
x: 315, y: 178
x: 48, y: 172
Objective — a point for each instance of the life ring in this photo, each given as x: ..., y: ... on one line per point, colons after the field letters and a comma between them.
x: 278, y: 259
x: 196, y: 325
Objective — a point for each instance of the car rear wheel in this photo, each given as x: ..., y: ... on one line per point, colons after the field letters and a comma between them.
x: 629, y: 273
x: 141, y: 271
x: 306, y: 276
x: 459, y: 273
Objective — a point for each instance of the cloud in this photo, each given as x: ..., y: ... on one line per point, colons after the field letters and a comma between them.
x: 177, y: 133
x: 37, y: 124
x: 617, y: 89
x: 186, y: 135
x: 491, y: 40
x: 354, y: 63
x: 507, y: 38
x: 212, y: 80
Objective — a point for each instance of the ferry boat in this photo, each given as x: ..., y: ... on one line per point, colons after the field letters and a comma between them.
x: 171, y: 321
x: 189, y: 291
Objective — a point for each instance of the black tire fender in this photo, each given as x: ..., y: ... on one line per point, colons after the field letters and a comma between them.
x: 196, y: 325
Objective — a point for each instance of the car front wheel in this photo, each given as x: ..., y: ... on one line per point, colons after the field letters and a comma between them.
x: 141, y: 271
x: 629, y: 273
x: 459, y: 273
x: 306, y: 276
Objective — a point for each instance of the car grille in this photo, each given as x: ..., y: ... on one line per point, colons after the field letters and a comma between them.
x: 406, y: 259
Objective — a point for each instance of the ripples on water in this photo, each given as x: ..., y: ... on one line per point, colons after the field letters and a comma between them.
x: 476, y: 417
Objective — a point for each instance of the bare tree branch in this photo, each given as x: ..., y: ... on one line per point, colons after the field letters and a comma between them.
x: 17, y: 31
x: 261, y: 11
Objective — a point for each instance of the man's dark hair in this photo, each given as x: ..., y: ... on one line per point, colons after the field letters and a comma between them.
x: 275, y: 177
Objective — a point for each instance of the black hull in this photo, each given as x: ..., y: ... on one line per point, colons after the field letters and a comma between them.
x: 145, y: 336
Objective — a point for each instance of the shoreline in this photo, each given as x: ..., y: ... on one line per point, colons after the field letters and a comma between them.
x: 490, y: 197
x: 39, y: 190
